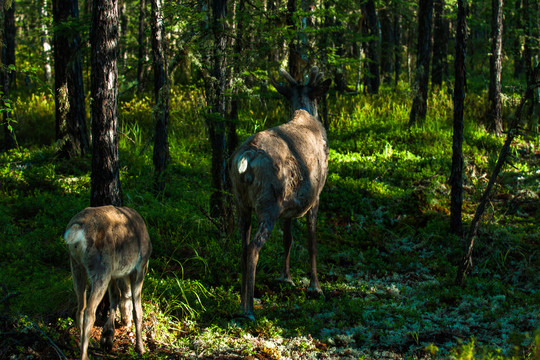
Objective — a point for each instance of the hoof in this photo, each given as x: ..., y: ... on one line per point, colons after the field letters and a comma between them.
x: 106, y: 342
x: 316, y: 292
x: 140, y: 349
x: 286, y: 280
x: 246, y: 316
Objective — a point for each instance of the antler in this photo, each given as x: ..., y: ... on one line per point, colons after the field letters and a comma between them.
x: 287, y: 76
x: 314, y: 77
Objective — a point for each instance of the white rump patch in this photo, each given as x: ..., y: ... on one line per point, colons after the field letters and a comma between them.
x: 74, y: 234
x: 242, y: 165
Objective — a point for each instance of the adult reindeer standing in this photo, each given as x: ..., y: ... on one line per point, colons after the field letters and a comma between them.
x: 109, y: 246
x: 279, y: 173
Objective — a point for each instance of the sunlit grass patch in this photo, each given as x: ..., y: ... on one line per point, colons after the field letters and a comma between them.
x: 386, y: 261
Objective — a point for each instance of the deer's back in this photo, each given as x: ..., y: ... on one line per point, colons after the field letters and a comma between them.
x: 285, y: 166
x: 116, y: 238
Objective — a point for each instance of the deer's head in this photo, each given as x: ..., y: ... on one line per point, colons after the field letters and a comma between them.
x: 303, y: 96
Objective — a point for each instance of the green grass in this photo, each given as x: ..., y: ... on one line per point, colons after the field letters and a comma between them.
x: 386, y: 260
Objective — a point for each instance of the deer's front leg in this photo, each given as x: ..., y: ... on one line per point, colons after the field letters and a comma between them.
x: 250, y: 258
x: 314, y: 285
x: 287, y: 243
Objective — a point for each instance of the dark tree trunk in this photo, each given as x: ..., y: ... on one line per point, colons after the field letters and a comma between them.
x: 530, y: 52
x: 531, y: 55
x: 295, y: 67
x: 9, y: 44
x: 6, y: 17
x: 516, y: 44
x: 68, y: 82
x: 122, y: 32
x: 372, y: 51
x: 161, y: 89
x: 495, y: 68
x: 239, y: 45
x: 397, y: 41
x: 105, y: 179
x: 333, y: 41
x: 216, y: 120
x: 387, y: 44
x: 456, y: 176
x: 142, y: 46
x: 45, y: 40
x: 419, y: 107
x: 440, y: 44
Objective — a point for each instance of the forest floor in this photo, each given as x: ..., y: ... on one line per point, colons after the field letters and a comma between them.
x: 387, y: 262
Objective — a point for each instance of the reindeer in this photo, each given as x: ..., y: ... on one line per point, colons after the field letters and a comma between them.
x: 110, y: 246
x: 279, y: 173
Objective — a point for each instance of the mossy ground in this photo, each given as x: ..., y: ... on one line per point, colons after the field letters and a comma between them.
x: 387, y: 262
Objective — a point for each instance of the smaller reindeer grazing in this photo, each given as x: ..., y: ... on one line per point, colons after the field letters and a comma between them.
x: 280, y: 173
x: 110, y: 246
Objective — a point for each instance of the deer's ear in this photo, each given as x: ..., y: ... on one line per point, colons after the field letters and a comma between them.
x: 321, y: 89
x: 283, y: 90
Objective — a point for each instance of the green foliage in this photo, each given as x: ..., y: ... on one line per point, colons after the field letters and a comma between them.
x: 34, y: 117
x: 386, y: 261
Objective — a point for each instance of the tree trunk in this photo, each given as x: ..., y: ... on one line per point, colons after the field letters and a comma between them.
x: 387, y: 44
x: 45, y: 41
x: 161, y: 93
x: 456, y: 176
x: 495, y: 68
x: 122, y: 32
x: 419, y: 107
x: 372, y: 80
x: 295, y: 67
x: 531, y: 56
x: 238, y: 67
x: 9, y: 44
x: 105, y: 179
x: 216, y: 120
x: 142, y: 46
x: 69, y: 88
x: 10, y: 141
x: 440, y: 44
x: 329, y: 42
x: 466, y: 262
x: 517, y: 52
x: 397, y: 41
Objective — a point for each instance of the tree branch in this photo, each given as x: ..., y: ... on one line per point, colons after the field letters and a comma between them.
x: 466, y: 262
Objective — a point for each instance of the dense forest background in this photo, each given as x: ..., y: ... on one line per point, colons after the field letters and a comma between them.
x: 428, y: 224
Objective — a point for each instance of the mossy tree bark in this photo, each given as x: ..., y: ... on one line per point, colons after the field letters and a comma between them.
x: 71, y: 130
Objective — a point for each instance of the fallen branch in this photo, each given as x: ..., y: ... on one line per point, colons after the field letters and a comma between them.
x: 51, y: 342
x: 466, y: 262
x: 212, y: 220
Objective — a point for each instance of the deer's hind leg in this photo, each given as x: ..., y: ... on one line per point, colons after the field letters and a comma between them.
x: 100, y: 283
x: 136, y: 279
x: 126, y: 300
x: 107, y: 335
x: 314, y: 285
x: 287, y: 243
x: 78, y: 273
x: 250, y: 258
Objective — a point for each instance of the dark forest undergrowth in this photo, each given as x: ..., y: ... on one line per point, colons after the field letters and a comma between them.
x: 387, y: 262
